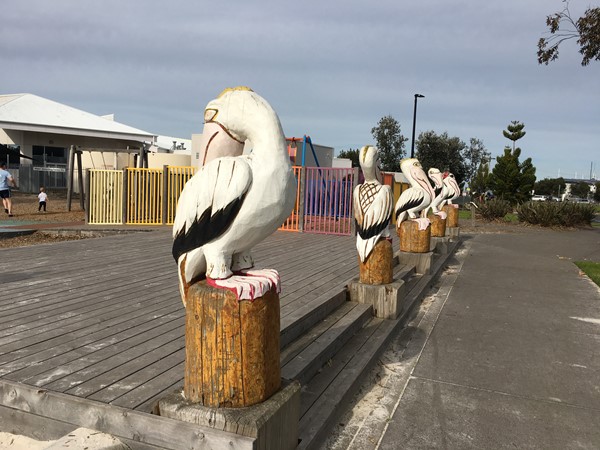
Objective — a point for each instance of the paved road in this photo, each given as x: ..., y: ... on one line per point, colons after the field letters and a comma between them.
x: 513, y: 359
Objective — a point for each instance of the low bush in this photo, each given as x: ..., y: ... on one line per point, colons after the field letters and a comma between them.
x: 550, y: 214
x: 494, y: 209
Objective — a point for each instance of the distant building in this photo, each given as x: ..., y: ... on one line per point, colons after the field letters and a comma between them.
x: 573, y: 181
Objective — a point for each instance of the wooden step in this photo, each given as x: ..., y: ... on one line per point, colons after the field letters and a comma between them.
x: 317, y: 346
x: 326, y: 396
x: 305, y: 317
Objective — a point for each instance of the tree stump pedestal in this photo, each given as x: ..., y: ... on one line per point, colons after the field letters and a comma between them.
x: 376, y: 285
x: 438, y: 225
x: 415, y: 246
x: 232, y: 371
x: 379, y: 265
x: 452, y: 215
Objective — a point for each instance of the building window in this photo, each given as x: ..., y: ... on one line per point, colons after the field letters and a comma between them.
x: 52, y: 155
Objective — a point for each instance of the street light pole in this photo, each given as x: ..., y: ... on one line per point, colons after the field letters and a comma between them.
x: 412, y: 145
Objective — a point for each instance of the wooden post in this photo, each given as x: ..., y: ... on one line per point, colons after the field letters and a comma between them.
x: 232, y: 348
x: 125, y: 196
x: 88, y: 182
x: 165, y: 194
x: 379, y: 267
x: 412, y: 239
x: 70, y: 168
x: 438, y: 225
x: 452, y: 212
x: 80, y: 176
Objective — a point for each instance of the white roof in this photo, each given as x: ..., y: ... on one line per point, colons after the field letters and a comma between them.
x: 29, y: 112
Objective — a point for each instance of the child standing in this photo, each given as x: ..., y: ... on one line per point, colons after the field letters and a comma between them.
x: 42, y: 197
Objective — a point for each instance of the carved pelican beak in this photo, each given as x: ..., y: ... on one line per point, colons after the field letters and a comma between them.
x: 216, y: 140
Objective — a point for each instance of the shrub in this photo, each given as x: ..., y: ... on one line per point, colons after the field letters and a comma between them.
x: 549, y: 214
x: 494, y: 209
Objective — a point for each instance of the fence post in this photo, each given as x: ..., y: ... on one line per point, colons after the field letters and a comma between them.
x: 70, y: 176
x: 125, y: 197
x: 354, y: 184
x: 302, y: 176
x: 86, y: 207
x: 165, y: 193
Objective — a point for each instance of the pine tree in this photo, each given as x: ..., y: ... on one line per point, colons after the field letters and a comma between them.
x: 511, y: 179
x: 514, y: 131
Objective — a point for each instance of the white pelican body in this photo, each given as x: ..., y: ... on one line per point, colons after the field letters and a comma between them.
x: 453, y: 188
x: 440, y: 191
x: 417, y: 197
x: 234, y: 202
x: 372, y: 204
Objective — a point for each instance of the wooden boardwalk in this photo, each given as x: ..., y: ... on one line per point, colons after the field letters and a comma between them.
x: 101, y: 319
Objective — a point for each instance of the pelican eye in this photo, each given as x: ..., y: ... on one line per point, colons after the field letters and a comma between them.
x: 210, y: 114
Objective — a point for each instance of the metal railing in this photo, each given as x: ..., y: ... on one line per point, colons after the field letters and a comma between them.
x: 176, y: 178
x: 294, y: 221
x: 144, y: 188
x: 105, y: 197
x: 328, y: 200
x: 149, y: 197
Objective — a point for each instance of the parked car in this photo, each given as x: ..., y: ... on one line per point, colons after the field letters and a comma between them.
x: 539, y: 198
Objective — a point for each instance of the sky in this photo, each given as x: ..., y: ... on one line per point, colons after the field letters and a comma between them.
x: 331, y: 70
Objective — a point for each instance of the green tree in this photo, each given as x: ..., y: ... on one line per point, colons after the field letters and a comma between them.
x: 390, y: 143
x: 550, y: 186
x: 352, y: 154
x: 511, y: 179
x: 580, y: 189
x: 473, y: 156
x: 480, y: 183
x: 443, y: 153
x: 514, y: 132
x: 597, y: 193
x: 586, y: 29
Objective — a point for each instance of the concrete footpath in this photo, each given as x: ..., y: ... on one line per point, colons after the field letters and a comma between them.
x: 513, y: 358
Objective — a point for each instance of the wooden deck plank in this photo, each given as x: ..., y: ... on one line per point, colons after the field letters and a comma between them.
x: 101, y: 318
x: 44, y: 356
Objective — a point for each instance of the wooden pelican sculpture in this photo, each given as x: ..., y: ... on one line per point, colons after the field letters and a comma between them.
x: 234, y: 202
x: 453, y: 188
x: 417, y: 197
x: 373, y: 204
x: 440, y: 190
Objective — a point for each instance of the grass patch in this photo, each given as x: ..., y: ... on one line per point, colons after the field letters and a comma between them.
x: 591, y: 269
x: 464, y: 214
x: 511, y: 217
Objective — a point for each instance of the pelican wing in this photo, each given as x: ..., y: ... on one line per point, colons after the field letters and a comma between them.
x: 209, y: 203
x: 409, y: 199
x: 376, y: 216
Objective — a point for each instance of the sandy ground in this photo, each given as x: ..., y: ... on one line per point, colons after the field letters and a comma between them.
x: 25, y: 208
x: 14, y: 442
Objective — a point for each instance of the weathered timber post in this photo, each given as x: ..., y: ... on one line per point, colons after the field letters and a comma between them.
x: 378, y: 267
x: 438, y: 225
x: 452, y: 229
x: 412, y: 239
x: 232, y: 347
x: 452, y: 212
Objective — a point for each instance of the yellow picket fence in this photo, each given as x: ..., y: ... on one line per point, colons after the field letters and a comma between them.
x: 144, y: 196
x: 176, y: 179
x: 105, y: 197
x: 136, y: 196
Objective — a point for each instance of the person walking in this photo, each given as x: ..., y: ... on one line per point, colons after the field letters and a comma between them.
x: 5, y: 179
x: 43, y: 197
